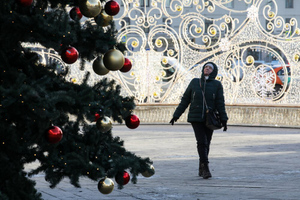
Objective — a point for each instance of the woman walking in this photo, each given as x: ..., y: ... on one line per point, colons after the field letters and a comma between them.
x: 193, y: 96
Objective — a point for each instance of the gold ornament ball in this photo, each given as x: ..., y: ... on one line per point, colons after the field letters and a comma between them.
x: 106, y: 185
x: 113, y: 60
x: 249, y: 59
x: 158, y: 42
x: 164, y: 60
x: 90, y: 8
x: 179, y: 8
x: 134, y: 44
x: 297, y: 56
x: 271, y: 14
x: 150, y: 172
x: 105, y: 18
x: 213, y: 31
x: 99, y: 67
x: 104, y: 124
x: 171, y: 52
x: 198, y: 30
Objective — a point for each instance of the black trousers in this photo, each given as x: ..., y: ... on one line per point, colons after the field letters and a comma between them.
x: 203, y: 136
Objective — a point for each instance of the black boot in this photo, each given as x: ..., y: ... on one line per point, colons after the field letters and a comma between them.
x: 206, y: 173
x: 201, y: 166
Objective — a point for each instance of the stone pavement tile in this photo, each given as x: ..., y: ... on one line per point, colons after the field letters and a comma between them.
x: 247, y: 163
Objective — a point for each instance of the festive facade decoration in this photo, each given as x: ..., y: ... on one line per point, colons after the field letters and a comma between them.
x: 169, y: 41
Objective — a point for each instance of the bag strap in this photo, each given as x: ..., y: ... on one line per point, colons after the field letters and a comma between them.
x: 203, y: 94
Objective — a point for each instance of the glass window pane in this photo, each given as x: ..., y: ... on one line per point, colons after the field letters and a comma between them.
x: 168, y: 3
x: 229, y: 4
x: 143, y: 2
x: 289, y: 3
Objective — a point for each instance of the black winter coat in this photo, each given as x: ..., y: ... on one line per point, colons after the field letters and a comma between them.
x: 213, y: 92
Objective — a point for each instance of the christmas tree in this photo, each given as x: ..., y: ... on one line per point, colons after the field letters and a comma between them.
x: 46, y: 118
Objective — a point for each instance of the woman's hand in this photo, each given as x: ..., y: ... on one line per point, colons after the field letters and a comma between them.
x: 224, y: 124
x: 173, y: 120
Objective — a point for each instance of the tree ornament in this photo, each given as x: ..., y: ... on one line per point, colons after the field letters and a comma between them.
x: 113, y: 60
x: 112, y: 8
x: 106, y: 185
x: 54, y: 134
x: 69, y: 55
x: 132, y: 121
x: 99, y: 67
x: 149, y: 172
x: 122, y: 178
x: 75, y: 13
x: 25, y: 3
x: 104, y: 124
x: 97, y: 116
x: 90, y: 8
x: 127, y: 66
x: 105, y: 19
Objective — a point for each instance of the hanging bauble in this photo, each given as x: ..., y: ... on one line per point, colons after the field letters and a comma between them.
x: 99, y: 67
x: 149, y: 172
x: 25, y: 3
x: 112, y: 8
x: 90, y: 8
x: 69, y: 55
x: 75, y: 13
x: 113, y: 60
x: 106, y: 186
x: 105, y: 19
x: 54, y: 134
x: 122, y: 178
x: 99, y: 114
x: 132, y: 121
x: 127, y: 66
x: 104, y: 124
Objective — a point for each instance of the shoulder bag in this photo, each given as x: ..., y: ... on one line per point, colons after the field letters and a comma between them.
x: 212, y: 121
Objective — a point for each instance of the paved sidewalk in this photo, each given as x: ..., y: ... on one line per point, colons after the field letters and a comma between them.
x: 253, y: 163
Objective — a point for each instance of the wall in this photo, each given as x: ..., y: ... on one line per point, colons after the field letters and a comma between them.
x: 249, y: 115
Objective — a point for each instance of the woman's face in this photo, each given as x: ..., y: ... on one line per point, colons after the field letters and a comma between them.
x: 208, y: 69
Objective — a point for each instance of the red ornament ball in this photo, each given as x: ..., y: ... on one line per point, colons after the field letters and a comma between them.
x: 25, y: 3
x: 112, y: 8
x: 54, y: 134
x: 127, y: 66
x: 69, y: 55
x: 122, y: 178
x: 132, y: 121
x: 97, y: 116
x: 75, y: 13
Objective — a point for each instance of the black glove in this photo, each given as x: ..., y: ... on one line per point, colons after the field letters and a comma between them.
x: 174, y: 119
x: 224, y: 124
